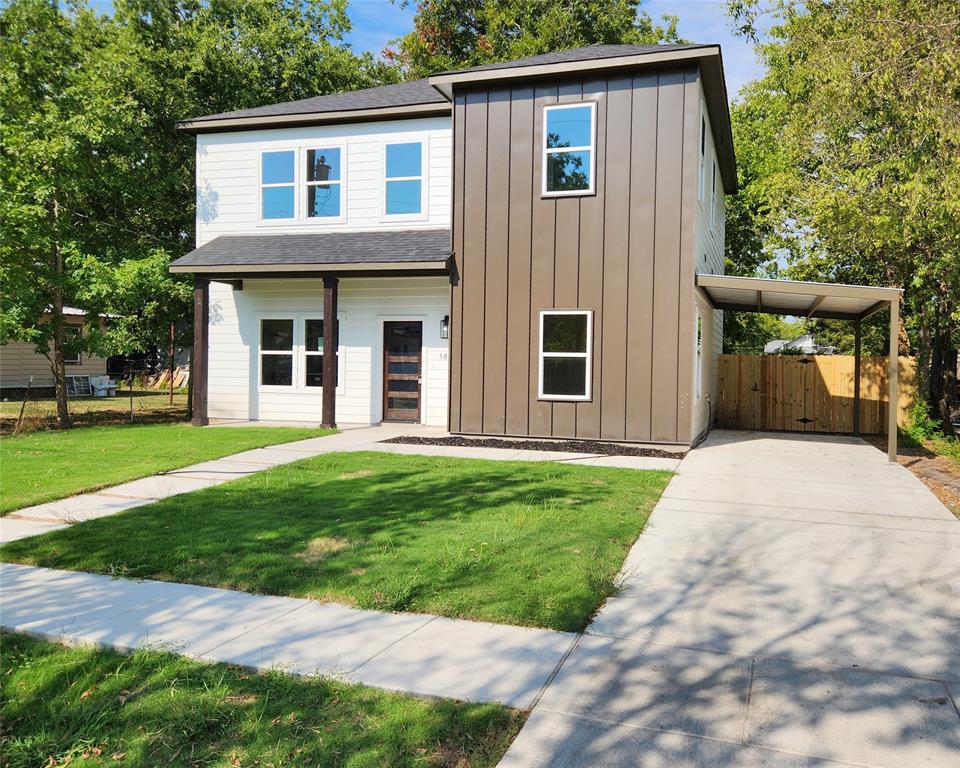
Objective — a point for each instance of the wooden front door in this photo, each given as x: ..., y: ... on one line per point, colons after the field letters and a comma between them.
x: 402, y: 370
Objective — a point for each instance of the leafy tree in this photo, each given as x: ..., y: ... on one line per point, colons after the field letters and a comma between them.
x: 98, y: 187
x: 63, y: 114
x: 449, y: 34
x: 854, y: 137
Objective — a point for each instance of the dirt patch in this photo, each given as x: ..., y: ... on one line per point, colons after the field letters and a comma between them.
x: 321, y: 548
x: 564, y: 446
x: 939, y: 473
x: 355, y: 475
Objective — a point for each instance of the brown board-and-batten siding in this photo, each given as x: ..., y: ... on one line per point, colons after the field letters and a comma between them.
x: 625, y: 252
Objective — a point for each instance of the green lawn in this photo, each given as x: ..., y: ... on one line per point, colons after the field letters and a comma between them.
x: 89, y: 707
x: 51, y: 465
x: 530, y: 543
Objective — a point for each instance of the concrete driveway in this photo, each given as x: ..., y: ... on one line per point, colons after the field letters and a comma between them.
x: 794, y: 601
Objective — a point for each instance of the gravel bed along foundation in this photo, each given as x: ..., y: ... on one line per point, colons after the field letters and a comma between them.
x: 564, y: 446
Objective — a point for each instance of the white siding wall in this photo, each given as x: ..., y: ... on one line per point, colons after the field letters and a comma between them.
x: 363, y: 305
x: 228, y: 176
x: 709, y: 239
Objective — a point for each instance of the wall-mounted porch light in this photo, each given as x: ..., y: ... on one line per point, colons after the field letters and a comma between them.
x: 445, y: 327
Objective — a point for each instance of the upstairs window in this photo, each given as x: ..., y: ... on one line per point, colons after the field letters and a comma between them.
x: 565, y: 354
x: 324, y: 182
x: 277, y: 185
x: 403, y: 180
x: 569, y: 138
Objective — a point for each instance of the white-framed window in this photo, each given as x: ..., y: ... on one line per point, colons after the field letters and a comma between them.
x: 566, y: 352
x: 71, y: 334
x: 703, y: 155
x: 277, y: 352
x: 290, y: 354
x: 404, y: 191
x: 278, y: 186
x: 699, y: 366
x: 569, y: 143
x: 313, y: 353
x: 323, y: 176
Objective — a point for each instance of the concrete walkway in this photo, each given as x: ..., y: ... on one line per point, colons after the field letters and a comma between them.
x: 794, y: 601
x: 41, y: 518
x: 425, y: 655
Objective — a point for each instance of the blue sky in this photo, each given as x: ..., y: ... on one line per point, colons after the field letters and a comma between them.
x: 375, y: 22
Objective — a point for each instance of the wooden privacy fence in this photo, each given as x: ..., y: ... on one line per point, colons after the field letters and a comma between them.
x: 809, y: 393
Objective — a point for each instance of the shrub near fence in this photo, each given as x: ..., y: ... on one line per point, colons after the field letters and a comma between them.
x: 809, y: 393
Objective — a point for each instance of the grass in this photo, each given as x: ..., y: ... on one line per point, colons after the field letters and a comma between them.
x: 51, y: 465
x: 529, y: 543
x: 150, y: 406
x: 91, y: 707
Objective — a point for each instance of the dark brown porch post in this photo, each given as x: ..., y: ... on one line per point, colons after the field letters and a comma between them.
x: 329, y: 413
x: 856, y: 377
x: 198, y: 365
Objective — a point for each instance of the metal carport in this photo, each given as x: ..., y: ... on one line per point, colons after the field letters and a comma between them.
x: 853, y: 303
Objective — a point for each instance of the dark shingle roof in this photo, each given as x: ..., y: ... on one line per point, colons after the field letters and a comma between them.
x: 385, y: 247
x: 414, y: 93
x: 587, y: 53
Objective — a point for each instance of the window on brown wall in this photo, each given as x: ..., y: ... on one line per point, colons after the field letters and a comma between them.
x: 569, y: 141
x: 566, y: 350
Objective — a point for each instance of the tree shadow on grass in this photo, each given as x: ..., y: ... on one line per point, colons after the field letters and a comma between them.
x: 150, y: 708
x: 517, y: 543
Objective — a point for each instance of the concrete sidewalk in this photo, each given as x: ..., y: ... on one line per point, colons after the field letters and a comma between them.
x: 41, y: 518
x: 794, y: 601
x: 415, y: 653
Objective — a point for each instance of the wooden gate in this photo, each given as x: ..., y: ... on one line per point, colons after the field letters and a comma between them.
x: 809, y: 393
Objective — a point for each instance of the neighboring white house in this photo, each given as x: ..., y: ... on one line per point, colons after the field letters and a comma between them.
x: 805, y: 345
x: 19, y: 361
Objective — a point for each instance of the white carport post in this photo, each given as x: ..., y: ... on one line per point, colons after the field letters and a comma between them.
x: 894, y: 375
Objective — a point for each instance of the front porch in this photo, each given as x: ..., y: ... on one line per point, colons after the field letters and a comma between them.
x: 266, y: 308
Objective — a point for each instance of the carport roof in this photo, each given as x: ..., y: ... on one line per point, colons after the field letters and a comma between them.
x: 796, y: 297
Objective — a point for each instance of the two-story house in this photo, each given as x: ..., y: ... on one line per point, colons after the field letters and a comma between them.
x: 503, y: 250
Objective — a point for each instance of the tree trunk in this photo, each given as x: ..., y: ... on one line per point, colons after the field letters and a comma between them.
x: 56, y: 320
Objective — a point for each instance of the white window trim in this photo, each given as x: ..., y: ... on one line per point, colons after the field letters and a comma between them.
x: 305, y: 354
x: 592, y: 149
x: 78, y: 356
x: 261, y: 186
x: 299, y: 352
x: 424, y: 143
x: 342, y: 181
x: 292, y: 352
x: 588, y: 356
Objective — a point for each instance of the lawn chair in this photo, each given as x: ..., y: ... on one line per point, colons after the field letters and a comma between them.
x: 102, y: 386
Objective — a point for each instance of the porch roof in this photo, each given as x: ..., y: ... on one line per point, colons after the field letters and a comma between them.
x: 332, y: 252
x: 796, y: 297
